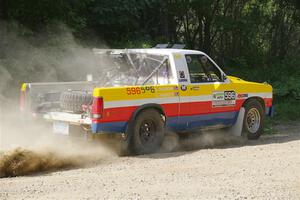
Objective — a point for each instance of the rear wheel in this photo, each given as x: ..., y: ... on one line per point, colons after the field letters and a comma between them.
x: 253, y: 120
x: 147, y: 132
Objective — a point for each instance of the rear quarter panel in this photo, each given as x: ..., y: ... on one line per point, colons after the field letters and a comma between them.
x: 121, y: 102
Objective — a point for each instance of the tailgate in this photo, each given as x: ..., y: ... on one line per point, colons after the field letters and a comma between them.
x: 76, y: 119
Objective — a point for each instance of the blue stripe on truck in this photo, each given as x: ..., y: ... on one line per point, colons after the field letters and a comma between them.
x: 175, y: 123
x: 201, y: 121
x: 118, y: 127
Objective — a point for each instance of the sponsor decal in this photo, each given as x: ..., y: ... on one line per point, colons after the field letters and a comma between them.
x: 165, y: 88
x: 195, y: 88
x: 223, y: 98
x: 177, y: 56
x: 182, y: 80
x: 218, y: 96
x: 242, y: 96
x: 183, y: 87
x: 170, y: 94
x: 181, y: 74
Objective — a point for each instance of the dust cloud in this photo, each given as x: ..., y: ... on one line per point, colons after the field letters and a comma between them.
x: 24, y: 161
x: 51, y: 157
x: 51, y: 55
x: 28, y: 146
x: 199, y: 140
x: 31, y: 147
x: 209, y: 139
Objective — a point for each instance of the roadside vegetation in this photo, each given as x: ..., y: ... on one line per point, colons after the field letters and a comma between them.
x: 257, y: 40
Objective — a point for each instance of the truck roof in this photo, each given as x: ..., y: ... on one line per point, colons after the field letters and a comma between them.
x: 166, y: 51
x: 158, y: 51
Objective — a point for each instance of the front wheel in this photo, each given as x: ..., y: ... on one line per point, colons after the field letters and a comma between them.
x: 147, y: 131
x: 253, y: 120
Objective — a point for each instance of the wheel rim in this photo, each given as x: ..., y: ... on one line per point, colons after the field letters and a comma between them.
x: 253, y: 120
x: 147, y: 131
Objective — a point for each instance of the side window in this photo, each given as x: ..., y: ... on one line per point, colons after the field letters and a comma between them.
x: 212, y: 71
x: 202, y: 70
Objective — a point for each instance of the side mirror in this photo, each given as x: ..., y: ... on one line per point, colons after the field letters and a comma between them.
x: 224, y: 77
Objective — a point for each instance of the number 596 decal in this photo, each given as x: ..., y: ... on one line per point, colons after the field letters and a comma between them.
x: 140, y: 90
x: 229, y: 95
x: 223, y: 98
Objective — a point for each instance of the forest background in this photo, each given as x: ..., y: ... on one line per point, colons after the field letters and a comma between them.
x: 257, y: 40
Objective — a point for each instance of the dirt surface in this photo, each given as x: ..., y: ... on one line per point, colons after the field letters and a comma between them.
x: 265, y: 169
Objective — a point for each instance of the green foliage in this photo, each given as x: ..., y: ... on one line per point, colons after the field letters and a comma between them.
x: 288, y: 89
x: 287, y: 110
x: 269, y: 126
x: 133, y: 44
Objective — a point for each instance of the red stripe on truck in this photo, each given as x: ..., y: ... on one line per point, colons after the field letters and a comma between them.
x: 172, y: 110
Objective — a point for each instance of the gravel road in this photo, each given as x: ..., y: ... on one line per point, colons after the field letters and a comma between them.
x: 265, y: 169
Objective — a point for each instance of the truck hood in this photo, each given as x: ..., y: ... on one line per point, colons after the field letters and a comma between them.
x: 234, y: 79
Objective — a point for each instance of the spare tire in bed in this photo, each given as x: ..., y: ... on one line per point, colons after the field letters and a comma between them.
x: 72, y: 101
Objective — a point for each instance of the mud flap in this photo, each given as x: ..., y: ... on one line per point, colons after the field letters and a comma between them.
x: 125, y: 143
x: 237, y: 128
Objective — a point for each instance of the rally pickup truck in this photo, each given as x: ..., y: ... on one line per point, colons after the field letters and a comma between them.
x: 141, y: 93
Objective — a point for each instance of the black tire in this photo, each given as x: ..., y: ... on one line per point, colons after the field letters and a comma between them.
x: 72, y: 101
x: 146, y: 132
x: 253, y: 124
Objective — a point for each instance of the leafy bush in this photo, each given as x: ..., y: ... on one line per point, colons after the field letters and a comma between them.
x: 287, y: 110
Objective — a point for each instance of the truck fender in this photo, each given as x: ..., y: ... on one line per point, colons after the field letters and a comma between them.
x: 136, y: 113
x: 147, y: 106
x: 258, y: 98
